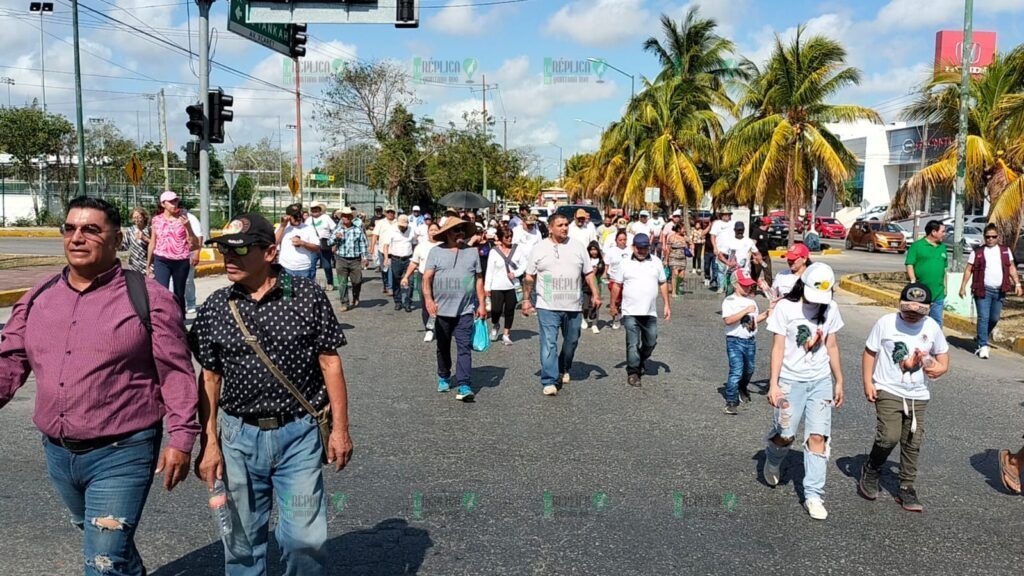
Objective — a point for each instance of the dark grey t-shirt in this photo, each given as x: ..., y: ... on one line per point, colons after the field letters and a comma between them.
x: 454, y: 284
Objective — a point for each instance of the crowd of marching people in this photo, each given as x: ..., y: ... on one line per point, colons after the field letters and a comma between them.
x: 270, y: 373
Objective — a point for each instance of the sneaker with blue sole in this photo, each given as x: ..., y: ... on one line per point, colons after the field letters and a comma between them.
x: 443, y: 384
x: 465, y: 393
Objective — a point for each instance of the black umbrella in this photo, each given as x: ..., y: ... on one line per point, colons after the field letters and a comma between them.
x: 464, y: 201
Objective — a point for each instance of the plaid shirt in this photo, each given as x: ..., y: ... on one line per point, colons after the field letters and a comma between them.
x: 351, y: 243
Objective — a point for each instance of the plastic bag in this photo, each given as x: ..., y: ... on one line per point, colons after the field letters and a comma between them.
x: 481, y: 338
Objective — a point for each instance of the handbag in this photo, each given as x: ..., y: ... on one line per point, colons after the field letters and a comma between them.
x: 481, y: 339
x: 322, y: 417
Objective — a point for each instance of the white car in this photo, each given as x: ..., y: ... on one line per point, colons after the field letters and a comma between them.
x: 907, y: 234
x: 874, y: 213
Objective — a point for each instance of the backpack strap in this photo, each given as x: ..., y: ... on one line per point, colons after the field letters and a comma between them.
x: 46, y: 286
x: 139, y: 296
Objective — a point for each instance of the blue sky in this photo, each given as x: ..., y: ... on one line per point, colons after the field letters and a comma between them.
x: 891, y: 41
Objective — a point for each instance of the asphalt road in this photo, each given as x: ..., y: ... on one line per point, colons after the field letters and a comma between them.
x: 602, y: 479
x: 33, y: 246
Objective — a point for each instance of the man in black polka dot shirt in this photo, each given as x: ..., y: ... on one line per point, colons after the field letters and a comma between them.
x: 256, y: 436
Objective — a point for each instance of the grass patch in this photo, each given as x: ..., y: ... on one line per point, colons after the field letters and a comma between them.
x: 10, y: 261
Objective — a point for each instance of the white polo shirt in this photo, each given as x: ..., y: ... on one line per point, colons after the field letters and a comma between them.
x: 640, y: 282
x: 399, y: 243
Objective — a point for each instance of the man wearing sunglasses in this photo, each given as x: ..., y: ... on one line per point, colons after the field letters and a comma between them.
x: 992, y: 274
x: 104, y: 384
x: 257, y: 437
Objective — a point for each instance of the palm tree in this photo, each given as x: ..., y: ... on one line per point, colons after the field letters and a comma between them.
x: 781, y: 145
x: 995, y: 140
x: 693, y: 51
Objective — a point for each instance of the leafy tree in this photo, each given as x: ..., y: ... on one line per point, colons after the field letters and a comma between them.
x: 359, y: 102
x: 30, y: 134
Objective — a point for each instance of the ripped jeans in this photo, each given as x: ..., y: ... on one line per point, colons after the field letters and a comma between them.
x: 811, y: 401
x: 105, y: 490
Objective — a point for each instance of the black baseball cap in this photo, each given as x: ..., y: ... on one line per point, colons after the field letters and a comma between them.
x: 245, y: 230
x: 739, y: 225
x: 917, y: 293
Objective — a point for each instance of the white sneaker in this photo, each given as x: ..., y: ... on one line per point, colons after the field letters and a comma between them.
x: 616, y: 325
x: 816, y: 508
x: 565, y: 379
x: 707, y: 282
x: 550, y: 390
x: 595, y: 329
x: 982, y: 352
x: 772, y: 474
x: 429, y: 336
x: 494, y: 334
x: 506, y: 340
x: 583, y: 324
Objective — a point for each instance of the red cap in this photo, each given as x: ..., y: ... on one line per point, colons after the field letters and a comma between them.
x: 797, y: 251
x: 742, y: 278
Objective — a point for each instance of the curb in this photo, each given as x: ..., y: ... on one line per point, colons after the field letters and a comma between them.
x: 29, y: 233
x: 204, y: 270
x: 827, y: 252
x: 852, y: 283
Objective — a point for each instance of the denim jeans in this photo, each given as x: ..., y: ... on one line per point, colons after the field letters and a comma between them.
x: 107, y: 483
x: 709, y: 262
x: 402, y: 296
x: 307, y: 273
x: 811, y: 401
x: 177, y: 270
x: 258, y: 463
x: 989, y: 309
x: 935, y: 310
x: 190, y: 288
x: 720, y: 270
x: 460, y: 328
x: 552, y: 363
x: 641, y: 338
x: 324, y: 258
x: 742, y: 353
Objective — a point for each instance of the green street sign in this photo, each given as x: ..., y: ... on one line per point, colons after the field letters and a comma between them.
x: 319, y: 177
x: 273, y: 36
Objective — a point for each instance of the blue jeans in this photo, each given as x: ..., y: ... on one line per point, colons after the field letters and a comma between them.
x: 461, y: 329
x: 402, y: 296
x: 720, y: 270
x: 935, y: 310
x: 709, y: 262
x: 989, y: 309
x: 166, y: 270
x: 258, y: 463
x: 552, y: 363
x: 811, y: 401
x: 641, y: 338
x: 741, y: 353
x: 190, y: 288
x: 324, y: 258
x: 307, y: 273
x: 107, y: 483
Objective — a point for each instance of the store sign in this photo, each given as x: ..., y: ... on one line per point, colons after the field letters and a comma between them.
x: 949, y: 48
x: 907, y: 144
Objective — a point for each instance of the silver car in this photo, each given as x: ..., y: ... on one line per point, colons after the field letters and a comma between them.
x: 973, y: 237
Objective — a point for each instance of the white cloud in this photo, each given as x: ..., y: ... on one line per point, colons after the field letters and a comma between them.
x: 728, y: 14
x: 601, y: 22
x: 911, y: 14
x: 459, y: 19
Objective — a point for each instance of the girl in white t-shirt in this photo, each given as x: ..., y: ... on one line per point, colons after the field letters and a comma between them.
x: 806, y: 380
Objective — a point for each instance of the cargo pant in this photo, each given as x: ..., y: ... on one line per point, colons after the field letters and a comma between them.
x: 894, y: 427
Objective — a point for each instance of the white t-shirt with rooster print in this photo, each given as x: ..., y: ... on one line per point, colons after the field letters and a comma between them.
x: 805, y: 359
x: 895, y: 340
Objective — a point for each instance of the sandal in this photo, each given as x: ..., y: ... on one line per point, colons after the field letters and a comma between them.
x: 1010, y: 481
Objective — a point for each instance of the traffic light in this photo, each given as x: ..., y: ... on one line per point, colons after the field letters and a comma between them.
x: 192, y: 156
x: 219, y: 114
x: 297, y: 40
x: 195, y: 119
x: 405, y: 14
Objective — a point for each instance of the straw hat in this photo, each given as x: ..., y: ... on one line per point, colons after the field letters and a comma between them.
x: 452, y: 223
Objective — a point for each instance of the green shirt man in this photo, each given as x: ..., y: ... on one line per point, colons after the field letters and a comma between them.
x: 926, y: 263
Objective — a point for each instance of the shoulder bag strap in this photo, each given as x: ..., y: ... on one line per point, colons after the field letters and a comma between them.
x: 255, y: 345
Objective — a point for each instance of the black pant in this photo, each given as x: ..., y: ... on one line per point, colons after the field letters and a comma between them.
x: 698, y: 254
x: 503, y: 302
x: 709, y: 261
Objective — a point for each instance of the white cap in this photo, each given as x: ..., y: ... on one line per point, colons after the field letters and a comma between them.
x: 677, y: 213
x: 506, y: 218
x: 819, y: 281
x: 415, y: 208
x: 645, y: 213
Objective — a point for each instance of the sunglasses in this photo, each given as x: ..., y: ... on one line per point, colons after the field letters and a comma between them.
x: 236, y: 250
x: 987, y: 237
x: 88, y: 230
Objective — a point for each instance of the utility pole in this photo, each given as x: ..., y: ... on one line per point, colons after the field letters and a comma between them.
x: 78, y: 101
x: 204, y: 99
x: 483, y: 81
x: 961, y: 141
x: 163, y: 138
x: 298, y: 129
x: 505, y: 121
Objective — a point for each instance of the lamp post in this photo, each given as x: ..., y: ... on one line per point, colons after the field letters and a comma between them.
x: 581, y: 120
x: 561, y: 166
x: 10, y: 82
x: 632, y: 94
x: 42, y: 8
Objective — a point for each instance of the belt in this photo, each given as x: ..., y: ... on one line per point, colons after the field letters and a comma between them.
x: 402, y: 258
x: 351, y: 257
x: 83, y: 446
x: 272, y: 422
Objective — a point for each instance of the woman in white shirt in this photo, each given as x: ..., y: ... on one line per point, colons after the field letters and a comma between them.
x: 417, y: 264
x: 613, y: 257
x: 505, y: 267
x: 804, y: 363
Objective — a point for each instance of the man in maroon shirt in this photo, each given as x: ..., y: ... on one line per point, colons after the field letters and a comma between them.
x: 104, y: 383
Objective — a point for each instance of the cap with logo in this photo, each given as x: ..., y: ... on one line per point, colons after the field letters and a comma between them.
x: 917, y: 293
x: 797, y: 251
x: 743, y: 278
x: 245, y: 230
x: 819, y: 280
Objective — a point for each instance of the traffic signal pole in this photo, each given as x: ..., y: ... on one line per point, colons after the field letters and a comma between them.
x: 298, y: 128
x: 960, y: 186
x: 204, y: 99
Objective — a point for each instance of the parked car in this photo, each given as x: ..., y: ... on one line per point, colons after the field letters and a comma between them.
x: 570, y: 212
x: 778, y: 233
x: 907, y: 234
x: 973, y: 237
x: 876, y: 236
x: 874, y: 213
x: 829, y: 227
x: 542, y: 213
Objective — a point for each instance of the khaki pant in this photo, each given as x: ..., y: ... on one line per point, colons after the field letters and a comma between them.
x: 894, y: 428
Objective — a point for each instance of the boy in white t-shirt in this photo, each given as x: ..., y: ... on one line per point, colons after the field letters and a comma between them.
x: 741, y: 317
x: 902, y: 349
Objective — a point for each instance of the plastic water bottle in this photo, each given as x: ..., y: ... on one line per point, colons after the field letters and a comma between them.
x: 219, y: 509
x: 430, y: 323
x: 487, y: 303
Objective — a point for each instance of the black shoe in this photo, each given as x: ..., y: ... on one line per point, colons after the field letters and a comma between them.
x: 398, y: 306
x: 633, y: 380
x: 408, y: 309
x: 907, y: 498
x: 867, y: 486
x: 730, y: 408
x: 744, y: 396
